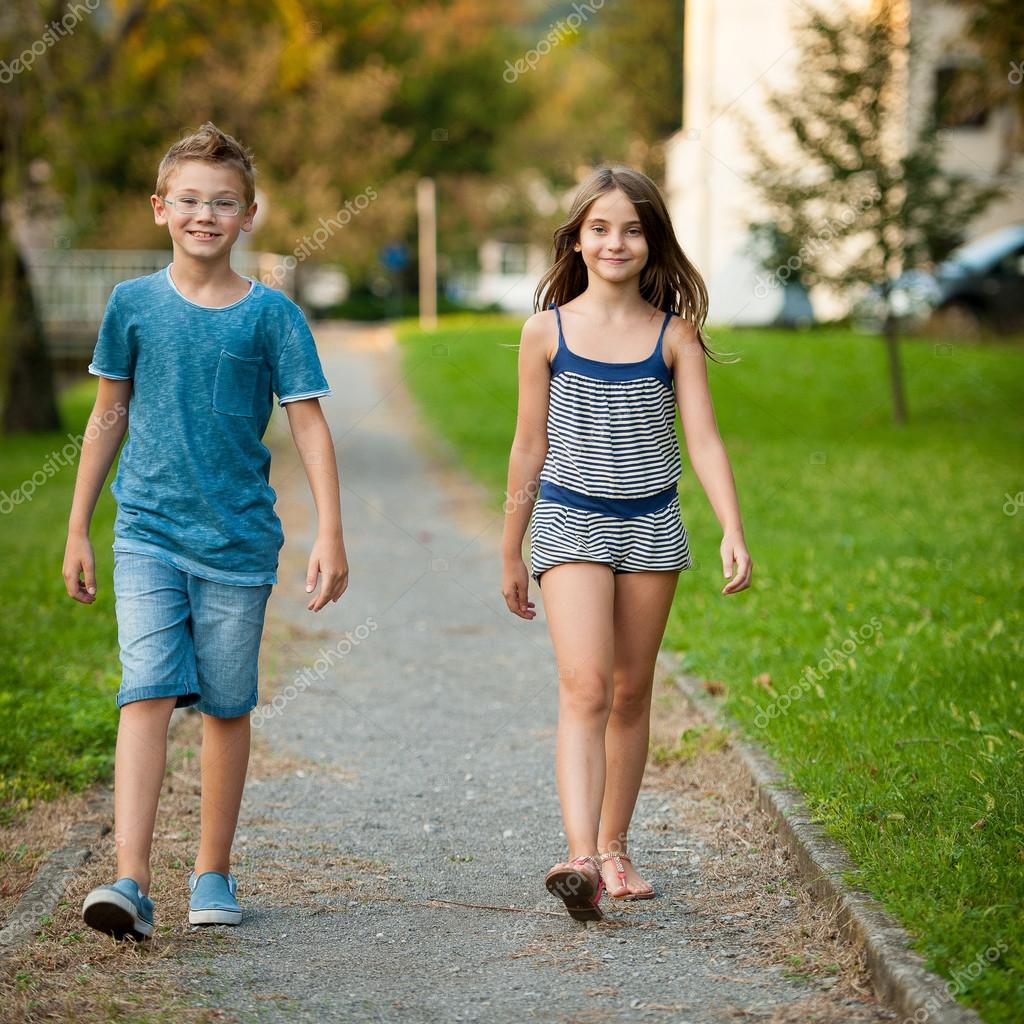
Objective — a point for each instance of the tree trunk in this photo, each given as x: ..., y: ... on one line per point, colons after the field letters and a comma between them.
x: 29, y: 395
x: 28, y: 398
x: 892, y: 345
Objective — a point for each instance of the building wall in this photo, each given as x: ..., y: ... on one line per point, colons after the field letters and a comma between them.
x: 734, y: 52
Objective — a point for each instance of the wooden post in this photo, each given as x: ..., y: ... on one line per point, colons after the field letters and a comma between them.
x: 426, y: 214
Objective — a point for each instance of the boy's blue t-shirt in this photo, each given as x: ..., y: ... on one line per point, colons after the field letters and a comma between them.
x: 193, y: 483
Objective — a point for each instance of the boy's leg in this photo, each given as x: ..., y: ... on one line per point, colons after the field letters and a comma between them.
x: 158, y: 662
x: 227, y: 626
x: 224, y: 760
x: 158, y: 673
x: 139, y: 766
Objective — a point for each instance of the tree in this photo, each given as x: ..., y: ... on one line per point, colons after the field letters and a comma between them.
x: 339, y: 102
x: 864, y: 196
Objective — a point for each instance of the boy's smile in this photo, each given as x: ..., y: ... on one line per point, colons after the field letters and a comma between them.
x: 203, y: 235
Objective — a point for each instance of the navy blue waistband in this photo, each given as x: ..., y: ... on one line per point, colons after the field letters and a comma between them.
x: 622, y: 508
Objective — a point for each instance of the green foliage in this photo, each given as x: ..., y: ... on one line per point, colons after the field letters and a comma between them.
x: 692, y: 742
x: 59, y: 668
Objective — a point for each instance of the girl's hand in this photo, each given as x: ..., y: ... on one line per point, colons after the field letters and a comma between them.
x: 515, y: 589
x: 734, y: 549
x: 79, y: 562
x: 329, y: 561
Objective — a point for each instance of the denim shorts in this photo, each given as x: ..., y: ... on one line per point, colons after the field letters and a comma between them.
x: 187, y: 637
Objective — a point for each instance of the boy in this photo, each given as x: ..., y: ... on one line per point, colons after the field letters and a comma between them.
x: 192, y: 356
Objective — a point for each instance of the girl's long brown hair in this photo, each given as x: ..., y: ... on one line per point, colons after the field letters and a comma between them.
x: 669, y: 280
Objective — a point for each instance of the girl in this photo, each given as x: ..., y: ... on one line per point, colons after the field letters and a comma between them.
x: 596, y: 430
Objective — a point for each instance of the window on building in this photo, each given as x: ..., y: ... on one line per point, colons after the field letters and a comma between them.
x: 513, y: 258
x: 961, y: 99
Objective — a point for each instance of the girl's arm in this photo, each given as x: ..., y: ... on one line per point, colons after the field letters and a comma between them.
x: 529, y: 448
x: 315, y: 446
x: 108, y: 422
x: 706, y: 450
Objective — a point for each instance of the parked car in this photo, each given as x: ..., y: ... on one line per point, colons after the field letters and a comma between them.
x: 979, y: 287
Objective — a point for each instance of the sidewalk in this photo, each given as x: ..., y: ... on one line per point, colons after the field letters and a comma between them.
x: 405, y: 881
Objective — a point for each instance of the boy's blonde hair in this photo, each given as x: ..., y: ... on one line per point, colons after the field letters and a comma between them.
x: 210, y: 144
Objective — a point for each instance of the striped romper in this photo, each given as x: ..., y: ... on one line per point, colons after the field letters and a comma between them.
x: 608, y: 486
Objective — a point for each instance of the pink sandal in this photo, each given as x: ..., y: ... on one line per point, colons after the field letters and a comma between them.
x: 580, y: 894
x: 621, y: 872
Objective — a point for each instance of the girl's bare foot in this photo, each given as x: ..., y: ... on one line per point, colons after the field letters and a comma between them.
x: 621, y: 878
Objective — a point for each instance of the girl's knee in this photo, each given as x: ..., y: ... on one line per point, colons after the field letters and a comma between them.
x: 585, y: 693
x: 632, y: 696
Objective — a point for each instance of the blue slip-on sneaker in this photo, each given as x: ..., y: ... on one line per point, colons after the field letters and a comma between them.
x: 119, y: 910
x: 213, y: 899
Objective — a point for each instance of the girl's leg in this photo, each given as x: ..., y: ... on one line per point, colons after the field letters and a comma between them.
x: 642, y: 604
x: 224, y: 759
x: 140, y: 762
x: 579, y: 605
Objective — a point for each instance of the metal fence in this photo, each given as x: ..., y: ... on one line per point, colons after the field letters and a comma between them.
x: 71, y: 286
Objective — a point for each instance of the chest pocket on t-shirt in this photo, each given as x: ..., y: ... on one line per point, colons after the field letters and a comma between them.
x: 234, y: 389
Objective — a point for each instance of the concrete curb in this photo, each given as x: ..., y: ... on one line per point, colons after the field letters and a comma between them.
x: 54, y: 875
x: 898, y: 973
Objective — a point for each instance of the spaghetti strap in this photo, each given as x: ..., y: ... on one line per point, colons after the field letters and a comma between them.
x: 664, y: 324
x: 558, y: 317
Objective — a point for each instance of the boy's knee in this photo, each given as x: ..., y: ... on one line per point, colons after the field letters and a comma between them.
x: 226, y: 721
x: 148, y: 707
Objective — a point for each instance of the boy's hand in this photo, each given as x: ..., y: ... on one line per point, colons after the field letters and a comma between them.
x: 78, y: 562
x: 329, y: 561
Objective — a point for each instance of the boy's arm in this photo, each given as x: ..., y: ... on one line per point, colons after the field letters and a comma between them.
x: 103, y: 435
x: 315, y: 446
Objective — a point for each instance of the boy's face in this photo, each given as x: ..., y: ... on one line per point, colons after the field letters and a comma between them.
x: 203, y: 235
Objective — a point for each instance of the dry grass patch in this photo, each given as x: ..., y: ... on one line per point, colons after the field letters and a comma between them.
x: 69, y: 972
x: 750, y: 887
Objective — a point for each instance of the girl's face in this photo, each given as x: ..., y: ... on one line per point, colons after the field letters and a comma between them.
x: 611, y: 239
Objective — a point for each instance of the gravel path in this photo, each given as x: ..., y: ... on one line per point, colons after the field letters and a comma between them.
x: 418, y: 775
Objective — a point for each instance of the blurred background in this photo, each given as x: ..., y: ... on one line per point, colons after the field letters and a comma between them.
x: 802, y: 194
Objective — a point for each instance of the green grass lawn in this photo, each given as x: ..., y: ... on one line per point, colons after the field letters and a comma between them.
x: 877, y: 654
x: 59, y: 669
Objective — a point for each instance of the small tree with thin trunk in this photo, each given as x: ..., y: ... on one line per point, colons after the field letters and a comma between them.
x: 862, y: 197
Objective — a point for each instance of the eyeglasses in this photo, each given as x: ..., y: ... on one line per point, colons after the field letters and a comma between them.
x: 193, y: 204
